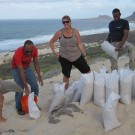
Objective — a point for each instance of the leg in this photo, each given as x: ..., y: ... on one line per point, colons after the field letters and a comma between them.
x: 81, y: 65
x: 32, y: 81
x: 130, y: 50
x: 18, y: 95
x: 2, y: 119
x: 66, y: 70
x: 114, y: 64
x: 66, y: 80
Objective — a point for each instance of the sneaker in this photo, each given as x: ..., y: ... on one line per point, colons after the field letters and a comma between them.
x: 20, y: 112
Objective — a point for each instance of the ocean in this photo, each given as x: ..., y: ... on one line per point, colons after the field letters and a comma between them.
x: 13, y: 33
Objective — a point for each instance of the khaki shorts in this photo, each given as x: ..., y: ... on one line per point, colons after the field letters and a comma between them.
x: 1, y: 89
x: 8, y: 86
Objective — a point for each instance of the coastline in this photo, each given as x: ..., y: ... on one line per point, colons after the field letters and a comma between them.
x: 86, y: 39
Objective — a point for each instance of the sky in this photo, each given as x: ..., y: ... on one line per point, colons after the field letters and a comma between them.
x: 55, y: 9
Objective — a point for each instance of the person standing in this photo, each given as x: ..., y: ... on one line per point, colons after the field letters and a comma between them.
x: 23, y: 74
x: 118, y: 34
x: 71, y: 51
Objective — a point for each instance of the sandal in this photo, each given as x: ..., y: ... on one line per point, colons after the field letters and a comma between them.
x: 20, y: 112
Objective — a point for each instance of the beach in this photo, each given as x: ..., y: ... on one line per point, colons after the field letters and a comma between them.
x: 81, y: 120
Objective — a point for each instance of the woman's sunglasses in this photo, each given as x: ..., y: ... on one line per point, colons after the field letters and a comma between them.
x: 65, y: 22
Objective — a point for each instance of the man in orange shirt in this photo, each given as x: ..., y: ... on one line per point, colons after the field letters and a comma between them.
x: 23, y: 74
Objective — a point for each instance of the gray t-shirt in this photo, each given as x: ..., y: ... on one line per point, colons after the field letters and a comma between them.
x: 68, y: 47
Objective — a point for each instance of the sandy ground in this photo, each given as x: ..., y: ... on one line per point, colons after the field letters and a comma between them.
x: 82, y: 120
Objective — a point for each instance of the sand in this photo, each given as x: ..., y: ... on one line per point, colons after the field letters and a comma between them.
x: 72, y: 119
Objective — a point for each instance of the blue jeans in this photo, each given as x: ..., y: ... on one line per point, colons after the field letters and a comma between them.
x: 31, y: 80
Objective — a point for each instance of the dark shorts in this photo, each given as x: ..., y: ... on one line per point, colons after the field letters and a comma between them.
x: 80, y: 64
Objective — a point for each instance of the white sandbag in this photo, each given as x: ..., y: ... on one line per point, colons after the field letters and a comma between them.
x: 87, y: 88
x: 57, y: 87
x: 109, y: 49
x: 110, y: 120
x: 34, y: 111
x: 70, y: 92
x: 77, y: 95
x: 59, y: 96
x: 99, y: 89
x: 126, y: 76
x: 112, y: 83
x: 111, y: 102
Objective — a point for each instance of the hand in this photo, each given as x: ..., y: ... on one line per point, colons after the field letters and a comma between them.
x: 118, y: 49
x: 86, y: 59
x: 41, y: 82
x: 57, y: 54
x: 27, y: 91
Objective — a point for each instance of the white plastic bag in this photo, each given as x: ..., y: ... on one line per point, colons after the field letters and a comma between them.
x: 59, y: 96
x: 109, y: 49
x: 34, y: 111
x: 112, y: 83
x: 111, y: 102
x: 110, y: 120
x: 70, y: 92
x: 126, y: 76
x: 87, y: 88
x: 99, y: 89
x: 77, y: 95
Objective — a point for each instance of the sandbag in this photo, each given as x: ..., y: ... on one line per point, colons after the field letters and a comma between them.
x: 77, y: 96
x: 110, y: 120
x: 70, y: 92
x: 112, y: 83
x: 87, y: 88
x: 59, y: 96
x: 126, y: 76
x: 109, y: 49
x: 99, y: 89
x: 8, y: 86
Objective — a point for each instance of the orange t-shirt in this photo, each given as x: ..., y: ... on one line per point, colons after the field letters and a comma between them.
x: 20, y: 58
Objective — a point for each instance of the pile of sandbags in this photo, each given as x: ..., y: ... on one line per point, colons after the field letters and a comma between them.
x: 105, y: 88
x: 98, y: 85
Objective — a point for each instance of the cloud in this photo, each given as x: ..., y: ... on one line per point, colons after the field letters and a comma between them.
x: 57, y: 8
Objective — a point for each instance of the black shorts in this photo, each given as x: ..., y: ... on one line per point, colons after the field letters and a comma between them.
x: 80, y: 64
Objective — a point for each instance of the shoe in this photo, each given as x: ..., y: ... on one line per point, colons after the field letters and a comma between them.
x: 20, y: 112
